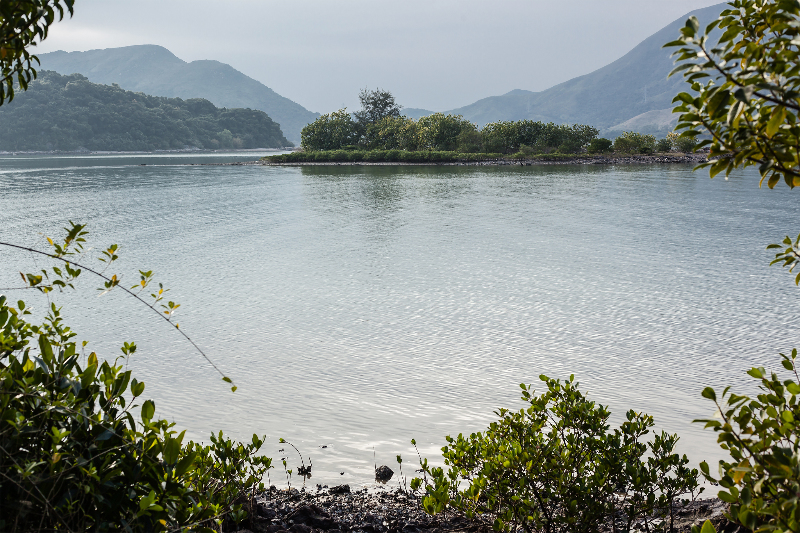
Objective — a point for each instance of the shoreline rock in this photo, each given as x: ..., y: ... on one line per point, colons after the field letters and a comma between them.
x: 660, y: 159
x: 336, y: 510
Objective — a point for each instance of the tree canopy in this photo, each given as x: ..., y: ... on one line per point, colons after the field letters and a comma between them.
x: 745, y: 88
x: 22, y: 22
x: 375, y: 106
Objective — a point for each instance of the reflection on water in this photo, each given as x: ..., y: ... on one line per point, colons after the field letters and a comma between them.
x: 360, y: 307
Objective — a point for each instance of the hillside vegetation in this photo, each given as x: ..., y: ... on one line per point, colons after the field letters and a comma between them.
x: 155, y: 70
x: 70, y: 113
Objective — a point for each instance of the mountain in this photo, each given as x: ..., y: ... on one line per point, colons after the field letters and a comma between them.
x: 415, y: 113
x: 155, y: 70
x: 71, y: 113
x: 634, y: 85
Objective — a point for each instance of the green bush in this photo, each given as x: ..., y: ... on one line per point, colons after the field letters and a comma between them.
x: 631, y: 142
x: 72, y: 455
x: 441, y: 132
x: 599, y: 146
x: 555, y: 467
x: 74, y: 458
x: 761, y: 480
x: 330, y: 132
x: 685, y: 143
x: 664, y: 145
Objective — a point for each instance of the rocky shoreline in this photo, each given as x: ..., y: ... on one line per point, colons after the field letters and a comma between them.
x: 338, y: 510
x: 658, y: 159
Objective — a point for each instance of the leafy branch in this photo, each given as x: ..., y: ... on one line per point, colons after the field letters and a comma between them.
x: 73, y: 245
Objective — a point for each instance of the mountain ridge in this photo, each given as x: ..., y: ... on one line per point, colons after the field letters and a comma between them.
x: 154, y: 70
x: 631, y: 86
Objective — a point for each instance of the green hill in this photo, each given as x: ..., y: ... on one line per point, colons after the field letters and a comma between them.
x: 71, y: 113
x: 606, y: 98
x: 155, y: 70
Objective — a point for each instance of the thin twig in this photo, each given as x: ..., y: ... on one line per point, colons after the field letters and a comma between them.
x: 127, y: 291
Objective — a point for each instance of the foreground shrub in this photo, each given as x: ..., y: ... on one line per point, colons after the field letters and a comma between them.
x: 555, y: 467
x: 762, y: 479
x: 74, y: 458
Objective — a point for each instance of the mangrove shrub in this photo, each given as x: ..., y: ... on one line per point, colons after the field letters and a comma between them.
x: 556, y: 467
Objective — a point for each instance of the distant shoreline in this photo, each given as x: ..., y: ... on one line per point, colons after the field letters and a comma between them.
x: 669, y: 159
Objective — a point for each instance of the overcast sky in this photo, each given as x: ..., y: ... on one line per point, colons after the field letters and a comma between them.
x: 433, y: 54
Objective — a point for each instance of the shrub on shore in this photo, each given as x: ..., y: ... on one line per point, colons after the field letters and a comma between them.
x: 75, y: 457
x: 555, y: 466
x: 631, y: 142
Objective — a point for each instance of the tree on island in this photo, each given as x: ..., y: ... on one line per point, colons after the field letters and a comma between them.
x: 375, y: 106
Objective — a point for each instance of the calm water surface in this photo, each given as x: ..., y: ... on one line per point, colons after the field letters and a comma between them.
x: 359, y: 307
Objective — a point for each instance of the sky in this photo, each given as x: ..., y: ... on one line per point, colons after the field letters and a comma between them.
x: 431, y: 54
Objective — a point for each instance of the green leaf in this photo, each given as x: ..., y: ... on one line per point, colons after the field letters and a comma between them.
x: 183, y: 465
x: 775, y: 121
x: 47, y: 350
x: 137, y: 389
x: 148, y: 410
x: 708, y: 527
x: 709, y: 393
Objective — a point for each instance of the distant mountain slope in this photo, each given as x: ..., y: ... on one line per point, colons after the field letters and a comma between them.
x: 630, y: 86
x: 415, y: 113
x: 155, y: 70
x: 70, y: 112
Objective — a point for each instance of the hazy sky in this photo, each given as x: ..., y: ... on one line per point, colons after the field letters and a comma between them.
x: 434, y: 54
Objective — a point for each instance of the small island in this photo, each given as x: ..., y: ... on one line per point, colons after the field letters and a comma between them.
x: 380, y: 134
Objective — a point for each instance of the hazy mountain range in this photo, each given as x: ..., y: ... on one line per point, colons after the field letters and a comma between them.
x: 632, y: 93
x: 156, y: 71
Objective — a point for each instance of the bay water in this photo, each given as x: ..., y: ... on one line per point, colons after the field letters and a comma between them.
x: 357, y: 308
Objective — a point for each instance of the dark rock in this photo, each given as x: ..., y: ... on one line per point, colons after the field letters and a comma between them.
x: 340, y: 489
x: 383, y: 474
x: 312, y: 516
x: 265, y: 512
x: 275, y: 528
x: 300, y: 528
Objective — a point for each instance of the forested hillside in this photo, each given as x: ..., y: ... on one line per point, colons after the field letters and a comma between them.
x: 155, y: 70
x: 70, y: 113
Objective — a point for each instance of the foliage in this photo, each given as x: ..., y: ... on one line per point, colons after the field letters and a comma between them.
x: 599, y: 146
x: 69, y: 112
x: 391, y: 133
x: 375, y: 106
x: 22, y: 23
x: 556, y: 467
x: 441, y: 132
x: 508, y: 137
x: 744, y: 88
x: 664, y: 145
x: 762, y: 479
x: 330, y: 132
x: 379, y: 126
x: 72, y: 455
x: 685, y: 143
x: 631, y: 142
